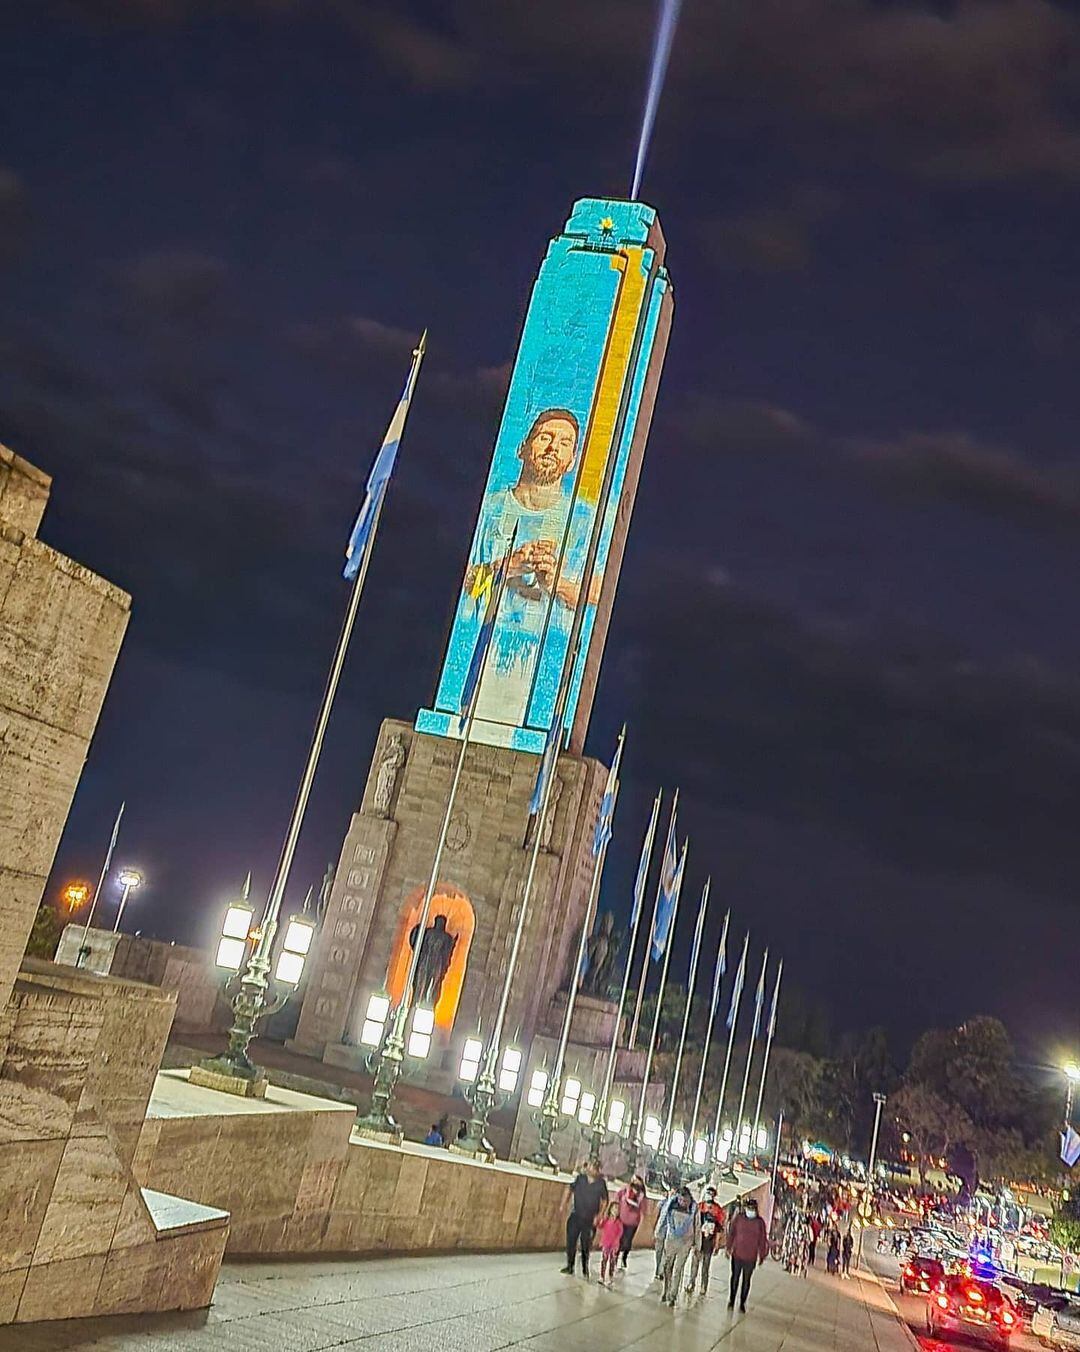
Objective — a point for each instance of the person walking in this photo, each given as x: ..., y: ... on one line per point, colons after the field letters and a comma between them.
x: 815, y: 1231
x: 845, y: 1255
x: 631, y: 1200
x: 658, y: 1235
x: 588, y: 1193
x: 747, y: 1246
x: 610, y: 1233
x: 680, y: 1229
x: 832, y: 1257
x: 711, y: 1218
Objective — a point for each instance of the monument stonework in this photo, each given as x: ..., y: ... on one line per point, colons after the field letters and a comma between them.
x: 564, y: 472
x: 61, y: 627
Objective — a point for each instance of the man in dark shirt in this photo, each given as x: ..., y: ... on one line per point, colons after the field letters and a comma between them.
x: 588, y: 1193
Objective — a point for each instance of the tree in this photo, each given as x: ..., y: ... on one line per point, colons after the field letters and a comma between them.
x: 1065, y: 1225
x: 937, y: 1128
x: 44, y: 933
x: 970, y: 1066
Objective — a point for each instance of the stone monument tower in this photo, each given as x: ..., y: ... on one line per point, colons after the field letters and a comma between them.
x: 582, y: 391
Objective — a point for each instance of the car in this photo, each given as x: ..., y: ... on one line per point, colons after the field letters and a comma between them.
x: 921, y: 1274
x: 966, y: 1306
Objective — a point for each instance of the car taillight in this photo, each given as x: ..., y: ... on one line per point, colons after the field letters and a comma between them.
x: 976, y: 1297
x: 1007, y: 1318
x: 943, y: 1301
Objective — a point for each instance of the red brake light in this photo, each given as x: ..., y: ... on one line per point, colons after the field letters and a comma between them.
x: 975, y: 1296
x: 1007, y: 1318
x: 943, y: 1301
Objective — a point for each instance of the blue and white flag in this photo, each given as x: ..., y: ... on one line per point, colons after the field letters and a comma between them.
x: 721, y: 968
x: 699, y: 928
x: 759, y: 998
x: 643, y: 864
x: 1070, y: 1146
x: 775, y: 1001
x: 670, y: 887
x: 381, y: 471
x: 736, y: 990
x: 602, y: 834
x: 547, y: 763
x: 493, y: 586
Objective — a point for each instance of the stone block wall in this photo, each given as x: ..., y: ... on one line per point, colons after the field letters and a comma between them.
x: 78, y: 1236
x: 295, y: 1183
x: 60, y: 631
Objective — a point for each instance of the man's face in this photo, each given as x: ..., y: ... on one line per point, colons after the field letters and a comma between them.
x: 549, y: 452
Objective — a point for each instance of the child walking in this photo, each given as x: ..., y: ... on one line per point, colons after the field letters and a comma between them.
x: 610, y: 1233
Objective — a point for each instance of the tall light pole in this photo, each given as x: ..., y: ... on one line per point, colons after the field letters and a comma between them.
x: 129, y: 879
x: 879, y: 1103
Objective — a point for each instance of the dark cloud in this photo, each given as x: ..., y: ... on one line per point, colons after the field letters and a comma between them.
x: 957, y: 468
x: 949, y: 467
x: 14, y: 215
x: 340, y: 343
x: 930, y: 760
x: 773, y: 239
x: 981, y: 90
x: 176, y: 286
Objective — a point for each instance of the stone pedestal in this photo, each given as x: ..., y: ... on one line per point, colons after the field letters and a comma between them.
x: 384, y: 868
x: 60, y: 631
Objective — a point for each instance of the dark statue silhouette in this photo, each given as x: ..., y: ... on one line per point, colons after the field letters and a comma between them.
x: 436, y: 951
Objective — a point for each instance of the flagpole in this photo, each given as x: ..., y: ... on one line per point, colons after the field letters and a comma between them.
x: 652, y: 932
x: 660, y: 993
x: 720, y: 955
x: 101, y: 883
x: 730, y: 1045
x: 600, y: 1116
x: 549, y: 1113
x: 269, y: 924
x: 377, y: 1120
x: 768, y: 1049
x: 750, y: 1054
x: 691, y: 981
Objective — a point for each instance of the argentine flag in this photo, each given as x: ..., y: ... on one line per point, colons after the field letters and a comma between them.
x: 670, y: 887
x: 775, y: 1001
x: 381, y: 471
x: 736, y: 990
x: 547, y: 763
x: 643, y: 863
x: 721, y: 967
x: 759, y: 998
x: 602, y: 834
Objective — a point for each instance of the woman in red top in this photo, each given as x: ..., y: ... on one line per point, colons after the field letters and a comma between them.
x: 712, y: 1227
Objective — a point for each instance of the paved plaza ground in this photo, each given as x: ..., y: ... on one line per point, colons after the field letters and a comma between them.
x: 479, y: 1304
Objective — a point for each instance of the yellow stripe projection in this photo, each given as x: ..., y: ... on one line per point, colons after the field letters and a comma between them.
x: 613, y: 371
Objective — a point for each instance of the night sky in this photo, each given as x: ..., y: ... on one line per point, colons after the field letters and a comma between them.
x: 848, y: 623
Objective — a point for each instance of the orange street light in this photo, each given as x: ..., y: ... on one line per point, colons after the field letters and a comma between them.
x: 75, y: 895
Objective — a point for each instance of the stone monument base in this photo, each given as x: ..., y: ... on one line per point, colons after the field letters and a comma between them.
x: 225, y: 1083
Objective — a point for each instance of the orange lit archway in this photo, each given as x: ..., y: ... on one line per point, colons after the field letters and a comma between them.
x: 460, y: 921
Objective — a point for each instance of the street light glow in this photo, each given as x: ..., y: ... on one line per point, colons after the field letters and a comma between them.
x: 1072, y: 1071
x: 129, y: 878
x: 75, y: 895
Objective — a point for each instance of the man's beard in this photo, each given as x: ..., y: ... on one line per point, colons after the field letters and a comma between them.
x: 545, y: 469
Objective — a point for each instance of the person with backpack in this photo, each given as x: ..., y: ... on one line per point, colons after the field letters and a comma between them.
x: 711, y: 1217
x: 679, y: 1230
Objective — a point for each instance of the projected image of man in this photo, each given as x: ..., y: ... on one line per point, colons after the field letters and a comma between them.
x: 537, y: 595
